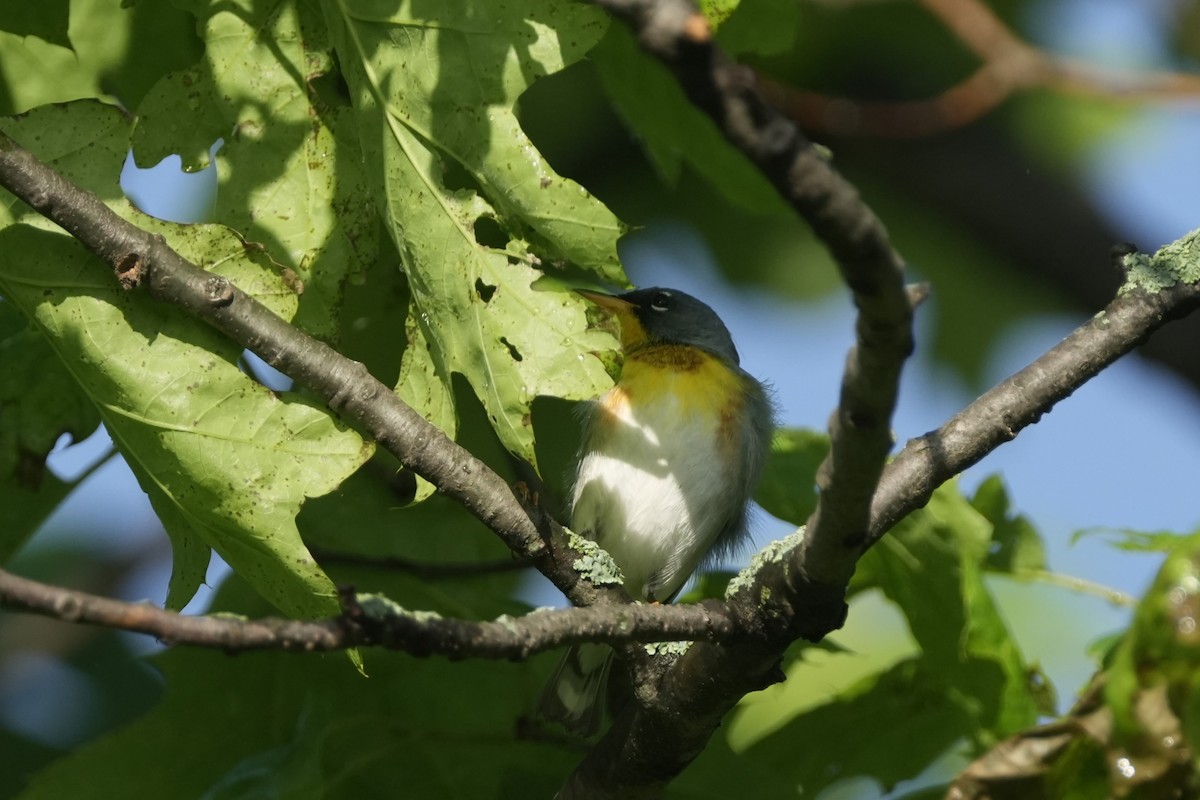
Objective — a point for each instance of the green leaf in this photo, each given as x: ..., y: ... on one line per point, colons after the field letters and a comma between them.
x: 114, y: 49
x: 180, y: 115
x: 380, y: 329
x: 708, y: 586
x: 671, y: 129
x: 719, y: 773
x: 130, y: 46
x: 472, y: 207
x: 717, y: 11
x: 788, y: 489
x: 1134, y: 541
x: 759, y: 27
x: 969, y: 681
x: 23, y: 510
x: 226, y: 462
x: 424, y: 385
x: 293, y: 769
x: 85, y: 141
x: 1081, y: 773
x: 906, y: 711
x: 39, y: 402
x: 931, y: 566
x: 31, y: 755
x: 1161, y: 647
x: 437, y: 533
x: 937, y: 792
x: 48, y: 73
x: 1101, y: 649
x: 290, y: 170
x: 1016, y: 545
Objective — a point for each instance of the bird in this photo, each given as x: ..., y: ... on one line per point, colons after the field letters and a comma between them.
x: 669, y: 460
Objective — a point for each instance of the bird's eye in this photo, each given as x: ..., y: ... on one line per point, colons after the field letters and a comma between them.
x: 661, y: 301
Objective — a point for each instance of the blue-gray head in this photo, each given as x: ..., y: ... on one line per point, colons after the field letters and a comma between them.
x: 668, y: 316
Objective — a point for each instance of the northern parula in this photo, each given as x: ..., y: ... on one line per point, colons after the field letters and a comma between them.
x: 671, y: 455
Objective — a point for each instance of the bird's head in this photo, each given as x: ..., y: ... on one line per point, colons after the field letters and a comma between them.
x: 666, y: 316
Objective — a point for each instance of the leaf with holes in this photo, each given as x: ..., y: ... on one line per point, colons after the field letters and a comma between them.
x: 290, y: 169
x: 474, y: 210
x: 226, y: 462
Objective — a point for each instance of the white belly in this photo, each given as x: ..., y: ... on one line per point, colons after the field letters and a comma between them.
x: 652, y: 492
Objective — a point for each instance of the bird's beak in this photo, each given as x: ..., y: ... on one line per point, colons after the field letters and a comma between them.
x: 606, y: 301
x: 632, y: 332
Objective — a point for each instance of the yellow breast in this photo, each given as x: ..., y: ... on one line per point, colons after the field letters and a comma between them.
x: 697, y: 385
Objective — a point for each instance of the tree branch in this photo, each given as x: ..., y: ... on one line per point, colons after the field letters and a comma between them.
x: 1159, y: 289
x: 1009, y: 65
x: 429, y: 570
x: 143, y: 261
x: 369, y: 620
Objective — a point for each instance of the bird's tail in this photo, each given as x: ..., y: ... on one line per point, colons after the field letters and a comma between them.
x: 574, y: 696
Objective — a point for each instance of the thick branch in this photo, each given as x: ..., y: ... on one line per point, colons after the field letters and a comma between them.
x: 144, y: 261
x: 372, y: 621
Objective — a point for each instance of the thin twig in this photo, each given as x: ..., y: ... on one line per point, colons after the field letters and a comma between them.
x: 1009, y: 65
x: 373, y: 621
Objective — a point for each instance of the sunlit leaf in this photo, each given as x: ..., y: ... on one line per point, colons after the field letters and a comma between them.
x: 226, y: 462
x: 289, y: 169
x: 472, y: 207
x: 113, y: 49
